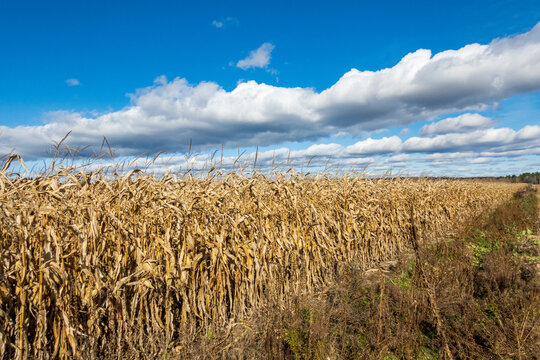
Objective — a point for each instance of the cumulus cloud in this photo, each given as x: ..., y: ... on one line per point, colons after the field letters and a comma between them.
x: 73, y: 82
x: 376, y: 146
x: 259, y: 58
x: 463, y: 123
x: 420, y: 87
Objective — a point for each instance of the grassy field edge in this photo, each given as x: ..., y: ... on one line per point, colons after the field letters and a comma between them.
x: 474, y: 296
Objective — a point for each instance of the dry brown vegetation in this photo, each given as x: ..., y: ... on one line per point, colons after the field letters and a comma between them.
x: 137, y: 266
x: 473, y: 296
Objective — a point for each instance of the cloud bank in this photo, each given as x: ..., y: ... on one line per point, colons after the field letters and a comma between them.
x: 420, y: 87
x: 486, y: 152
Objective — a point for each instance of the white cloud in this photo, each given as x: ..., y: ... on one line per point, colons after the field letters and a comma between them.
x: 325, y: 150
x: 480, y: 160
x: 404, y: 132
x: 399, y: 158
x: 225, y: 22
x: 502, y: 139
x: 423, y: 86
x: 376, y: 146
x: 168, y: 114
x: 451, y: 141
x: 73, y: 82
x: 259, y: 58
x: 529, y: 132
x: 463, y: 123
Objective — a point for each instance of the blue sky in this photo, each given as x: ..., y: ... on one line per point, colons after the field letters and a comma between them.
x: 151, y: 76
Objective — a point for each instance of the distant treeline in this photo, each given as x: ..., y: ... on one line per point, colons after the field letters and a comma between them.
x: 530, y: 178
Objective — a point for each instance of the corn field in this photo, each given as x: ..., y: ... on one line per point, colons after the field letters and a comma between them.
x: 89, y: 262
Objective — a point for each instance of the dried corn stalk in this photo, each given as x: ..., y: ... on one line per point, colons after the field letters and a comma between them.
x: 88, y: 263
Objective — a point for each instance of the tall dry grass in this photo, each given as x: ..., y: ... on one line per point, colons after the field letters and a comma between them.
x: 91, y: 265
